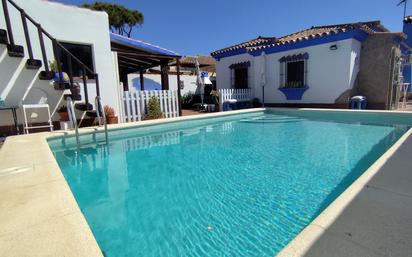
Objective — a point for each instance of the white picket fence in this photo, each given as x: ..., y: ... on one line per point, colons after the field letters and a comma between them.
x: 135, y: 104
x: 237, y: 94
x: 146, y: 142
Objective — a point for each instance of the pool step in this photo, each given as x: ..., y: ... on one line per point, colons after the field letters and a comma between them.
x: 286, y: 120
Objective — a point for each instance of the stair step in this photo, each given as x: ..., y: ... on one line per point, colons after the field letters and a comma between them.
x: 33, y: 64
x: 83, y: 107
x: 3, y: 37
x: 46, y: 75
x: 62, y: 85
x: 73, y: 97
x: 92, y: 114
x: 15, y: 50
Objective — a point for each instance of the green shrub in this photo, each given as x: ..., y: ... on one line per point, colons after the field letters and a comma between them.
x: 256, y: 103
x: 153, y: 109
x: 189, y: 99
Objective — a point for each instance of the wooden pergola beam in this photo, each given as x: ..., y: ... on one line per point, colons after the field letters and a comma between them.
x: 146, y: 55
x: 134, y: 60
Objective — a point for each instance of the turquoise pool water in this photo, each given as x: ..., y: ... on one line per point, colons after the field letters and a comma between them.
x: 236, y: 186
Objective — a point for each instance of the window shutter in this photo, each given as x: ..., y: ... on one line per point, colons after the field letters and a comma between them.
x: 305, y: 78
x: 282, y: 74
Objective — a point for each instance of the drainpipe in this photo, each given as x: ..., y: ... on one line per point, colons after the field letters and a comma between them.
x: 263, y: 77
x: 391, y: 81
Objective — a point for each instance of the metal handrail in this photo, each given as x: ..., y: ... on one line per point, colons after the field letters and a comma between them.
x: 100, y: 112
x: 23, y: 13
x: 72, y: 118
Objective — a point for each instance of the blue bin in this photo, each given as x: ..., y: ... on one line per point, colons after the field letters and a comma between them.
x: 230, y: 105
x: 358, y: 103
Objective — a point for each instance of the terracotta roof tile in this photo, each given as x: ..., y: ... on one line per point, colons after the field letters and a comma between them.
x: 313, y: 32
x: 254, y: 42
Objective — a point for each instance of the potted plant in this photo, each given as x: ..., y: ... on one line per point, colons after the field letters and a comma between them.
x: 215, y: 98
x: 63, y: 113
x: 111, y: 117
x: 256, y: 103
x: 58, y: 76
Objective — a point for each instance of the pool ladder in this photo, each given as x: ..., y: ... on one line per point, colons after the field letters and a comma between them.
x: 100, y: 113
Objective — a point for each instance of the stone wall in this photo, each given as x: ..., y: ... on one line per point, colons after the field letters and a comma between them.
x: 376, y: 70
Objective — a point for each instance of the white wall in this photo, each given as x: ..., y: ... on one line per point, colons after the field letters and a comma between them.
x: 330, y: 73
x: 67, y: 24
x: 223, y: 71
x: 155, y: 79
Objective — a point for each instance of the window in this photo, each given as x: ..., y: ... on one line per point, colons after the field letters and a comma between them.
x: 82, y: 52
x: 239, y: 75
x: 293, y: 71
x: 241, y: 78
x: 295, y: 74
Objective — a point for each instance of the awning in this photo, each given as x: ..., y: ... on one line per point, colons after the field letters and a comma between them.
x: 240, y: 65
x: 294, y: 57
x: 144, y: 46
x: 135, y: 55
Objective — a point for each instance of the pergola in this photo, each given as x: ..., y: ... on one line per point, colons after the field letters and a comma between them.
x: 138, y: 56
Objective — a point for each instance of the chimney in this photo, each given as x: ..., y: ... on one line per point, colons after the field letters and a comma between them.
x: 407, y: 29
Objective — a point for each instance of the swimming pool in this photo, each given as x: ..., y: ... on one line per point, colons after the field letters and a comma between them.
x: 242, y: 185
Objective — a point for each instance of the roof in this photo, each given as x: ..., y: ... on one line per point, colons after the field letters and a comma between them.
x: 141, y: 45
x: 369, y: 27
x: 203, y: 60
x: 254, y: 42
x: 407, y: 19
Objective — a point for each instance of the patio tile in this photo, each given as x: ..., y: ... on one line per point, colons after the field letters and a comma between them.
x: 25, y: 207
x: 396, y: 174
x: 325, y: 245
x: 47, y: 239
x: 22, y: 176
x: 376, y: 219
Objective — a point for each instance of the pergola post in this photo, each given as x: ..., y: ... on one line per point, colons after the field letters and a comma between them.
x: 179, y: 95
x: 164, y: 76
x: 124, y: 80
x: 142, y: 80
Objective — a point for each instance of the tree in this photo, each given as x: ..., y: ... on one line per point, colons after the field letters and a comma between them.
x: 121, y: 19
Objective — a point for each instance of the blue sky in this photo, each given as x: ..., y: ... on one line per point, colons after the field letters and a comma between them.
x: 199, y: 27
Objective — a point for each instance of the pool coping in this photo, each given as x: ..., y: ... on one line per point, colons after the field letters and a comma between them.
x: 39, y: 214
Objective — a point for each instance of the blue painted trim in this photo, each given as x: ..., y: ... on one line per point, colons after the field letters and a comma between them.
x: 230, y: 53
x: 357, y: 34
x: 245, y: 64
x: 294, y: 57
x: 293, y: 93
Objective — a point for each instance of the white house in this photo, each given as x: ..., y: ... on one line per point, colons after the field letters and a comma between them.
x: 81, y: 31
x: 319, y: 66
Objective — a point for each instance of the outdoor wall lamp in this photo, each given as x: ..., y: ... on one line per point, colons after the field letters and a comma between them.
x: 333, y: 47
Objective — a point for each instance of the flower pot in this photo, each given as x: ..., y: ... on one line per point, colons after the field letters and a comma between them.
x: 64, y: 116
x: 111, y: 119
x: 61, y: 77
x: 293, y: 93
